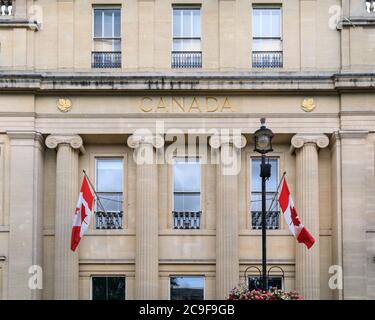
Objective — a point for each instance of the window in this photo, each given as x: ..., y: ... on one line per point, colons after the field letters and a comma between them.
x: 186, y: 193
x: 6, y: 7
x: 187, y: 288
x: 267, y: 40
x: 108, y: 288
x: 273, y: 282
x: 107, y: 38
x: 109, y: 187
x: 186, y: 51
x: 272, y: 216
x: 370, y: 6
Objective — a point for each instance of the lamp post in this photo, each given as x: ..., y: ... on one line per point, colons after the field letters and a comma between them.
x: 263, y: 145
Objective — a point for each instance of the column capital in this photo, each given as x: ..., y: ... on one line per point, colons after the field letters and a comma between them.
x: 217, y: 141
x: 299, y: 140
x: 75, y: 141
x: 138, y: 139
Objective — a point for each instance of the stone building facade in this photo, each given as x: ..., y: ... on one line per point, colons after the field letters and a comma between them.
x: 81, y: 79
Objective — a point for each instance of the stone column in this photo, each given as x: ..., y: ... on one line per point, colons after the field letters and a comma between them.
x: 147, y: 228
x: 227, y: 251
x: 67, y: 176
x: 26, y: 215
x: 356, y: 202
x: 307, y: 204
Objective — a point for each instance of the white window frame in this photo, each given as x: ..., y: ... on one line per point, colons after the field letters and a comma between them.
x: 277, y: 208
x: 95, y: 7
x: 193, y: 7
x: 98, y: 158
x: 200, y: 186
x: 265, y: 7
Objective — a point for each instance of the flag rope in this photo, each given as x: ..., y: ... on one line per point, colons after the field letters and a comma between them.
x: 93, y: 189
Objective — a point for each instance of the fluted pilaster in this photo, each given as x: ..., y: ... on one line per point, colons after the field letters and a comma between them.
x: 227, y: 251
x: 66, y: 261
x: 307, y: 203
x: 147, y: 254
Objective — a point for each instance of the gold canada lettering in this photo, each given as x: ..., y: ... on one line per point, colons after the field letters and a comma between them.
x: 186, y: 104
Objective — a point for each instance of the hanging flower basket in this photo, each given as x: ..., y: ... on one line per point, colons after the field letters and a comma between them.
x: 243, y: 293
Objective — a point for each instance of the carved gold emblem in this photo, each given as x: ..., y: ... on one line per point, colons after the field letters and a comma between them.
x: 308, y: 104
x: 64, y: 105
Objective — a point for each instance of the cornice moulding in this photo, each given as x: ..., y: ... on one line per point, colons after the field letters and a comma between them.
x: 240, y: 82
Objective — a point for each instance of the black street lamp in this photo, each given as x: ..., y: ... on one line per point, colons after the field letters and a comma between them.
x: 263, y: 145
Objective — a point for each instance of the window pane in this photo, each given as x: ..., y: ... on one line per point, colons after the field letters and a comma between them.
x: 117, y: 24
x: 107, y: 45
x: 191, y: 45
x: 187, y: 175
x: 177, y: 45
x: 196, y: 23
x: 98, y: 23
x: 256, y: 23
x: 273, y: 282
x: 177, y: 32
x: 109, y: 175
x: 187, y: 288
x: 186, y: 23
x: 186, y: 202
x: 267, y: 45
x: 256, y: 201
x: 276, y: 23
x: 112, y: 202
x: 256, y: 180
x: 108, y: 24
x: 116, y: 288
x: 108, y: 288
x: 99, y: 288
x: 267, y: 22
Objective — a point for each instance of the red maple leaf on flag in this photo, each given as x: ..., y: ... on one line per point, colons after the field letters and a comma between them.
x: 295, y: 218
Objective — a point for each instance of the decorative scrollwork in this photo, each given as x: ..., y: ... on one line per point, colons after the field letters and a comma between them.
x: 137, y: 139
x: 75, y: 141
x: 320, y: 140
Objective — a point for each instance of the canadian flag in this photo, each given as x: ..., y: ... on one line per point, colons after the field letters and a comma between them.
x: 83, y: 213
x: 292, y: 219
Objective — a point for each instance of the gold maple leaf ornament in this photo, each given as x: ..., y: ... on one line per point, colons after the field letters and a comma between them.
x: 64, y: 105
x: 308, y: 104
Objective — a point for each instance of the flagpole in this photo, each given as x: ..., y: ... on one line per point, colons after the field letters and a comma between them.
x: 93, y: 189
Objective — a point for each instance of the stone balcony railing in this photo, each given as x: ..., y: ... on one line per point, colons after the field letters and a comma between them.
x: 6, y: 7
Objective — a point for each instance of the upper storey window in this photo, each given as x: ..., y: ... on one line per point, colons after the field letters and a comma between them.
x: 267, y: 39
x: 106, y: 38
x: 272, y: 215
x: 186, y: 193
x: 6, y: 7
x: 109, y: 186
x: 370, y: 6
x: 187, y: 51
